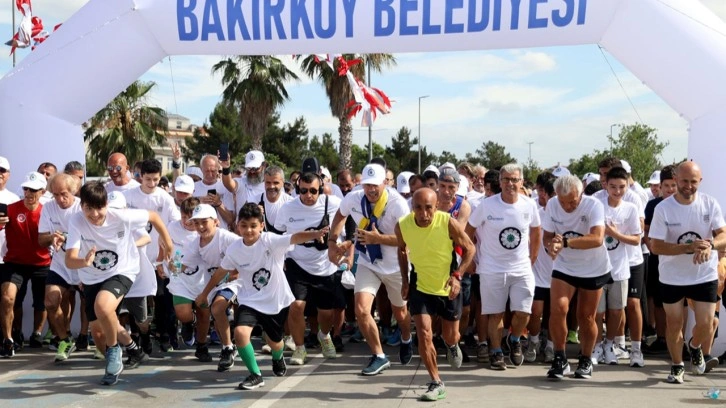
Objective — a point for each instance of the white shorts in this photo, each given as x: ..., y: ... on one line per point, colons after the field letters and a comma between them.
x: 497, y: 288
x: 614, y: 296
x: 369, y: 281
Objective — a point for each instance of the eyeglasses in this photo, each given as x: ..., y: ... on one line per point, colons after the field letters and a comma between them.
x: 3, y: 170
x: 253, y: 169
x: 114, y: 168
x: 32, y: 190
x: 513, y: 180
x: 312, y: 190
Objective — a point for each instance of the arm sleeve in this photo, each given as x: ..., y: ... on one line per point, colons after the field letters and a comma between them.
x: 658, y: 228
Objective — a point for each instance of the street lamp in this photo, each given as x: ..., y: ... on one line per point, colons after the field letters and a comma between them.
x: 611, y: 136
x: 419, y: 131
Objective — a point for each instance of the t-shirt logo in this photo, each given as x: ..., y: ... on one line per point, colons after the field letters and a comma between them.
x: 191, y: 271
x: 21, y: 218
x: 510, y: 238
x: 571, y: 234
x: 212, y: 270
x: 371, y: 172
x: 261, y: 279
x: 707, y: 218
x: 197, y: 209
x: 105, y: 260
x: 688, y: 237
x: 611, y: 243
x: 148, y: 228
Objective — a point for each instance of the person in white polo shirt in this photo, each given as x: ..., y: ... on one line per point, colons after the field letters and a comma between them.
x: 376, y: 209
x: 507, y: 230
x: 211, y: 191
x: 686, y: 231
x: 251, y: 186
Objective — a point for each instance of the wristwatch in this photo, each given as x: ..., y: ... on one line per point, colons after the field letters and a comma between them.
x: 564, y: 242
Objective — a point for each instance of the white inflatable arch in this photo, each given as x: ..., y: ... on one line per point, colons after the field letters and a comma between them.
x: 677, y: 47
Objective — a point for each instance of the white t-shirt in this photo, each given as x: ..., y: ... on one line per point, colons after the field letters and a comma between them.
x: 111, y: 187
x: 6, y: 197
x: 625, y: 217
x: 261, y: 284
x: 158, y: 201
x: 583, y: 263
x: 201, y: 190
x: 474, y: 198
x: 209, y: 257
x: 145, y: 283
x: 46, y: 198
x: 53, y: 218
x: 116, y: 252
x: 272, y: 209
x: 190, y: 282
x: 247, y: 192
x: 294, y: 217
x: 503, y: 235
x: 635, y: 253
x: 675, y: 223
x: 542, y: 267
x: 645, y: 196
x: 337, y: 191
x: 396, y: 208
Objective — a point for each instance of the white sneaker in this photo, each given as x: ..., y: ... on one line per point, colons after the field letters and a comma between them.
x: 289, y: 343
x: 298, y: 356
x: 609, y: 354
x: 266, y: 349
x: 597, y: 355
x: 327, y: 346
x: 636, y: 359
x: 621, y: 353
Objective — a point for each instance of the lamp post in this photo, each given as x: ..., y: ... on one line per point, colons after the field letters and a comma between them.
x: 419, y: 131
x: 611, y: 136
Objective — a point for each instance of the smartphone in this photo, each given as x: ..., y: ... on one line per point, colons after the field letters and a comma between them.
x: 4, y: 209
x: 224, y: 151
x: 212, y: 191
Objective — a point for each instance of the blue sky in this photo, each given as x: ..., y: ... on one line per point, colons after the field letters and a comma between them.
x: 563, y: 99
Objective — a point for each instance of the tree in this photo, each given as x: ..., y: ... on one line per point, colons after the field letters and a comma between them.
x: 359, y: 157
x: 491, y: 155
x: 447, y: 157
x: 256, y: 85
x: 224, y: 127
x: 587, y: 163
x: 403, y: 151
x: 339, y: 92
x: 530, y: 170
x: 638, y: 144
x: 289, y: 142
x: 128, y: 125
x: 325, y: 151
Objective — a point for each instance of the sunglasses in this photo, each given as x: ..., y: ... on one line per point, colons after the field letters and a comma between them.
x: 253, y: 169
x: 3, y: 170
x: 312, y: 190
x: 114, y: 168
x: 32, y: 190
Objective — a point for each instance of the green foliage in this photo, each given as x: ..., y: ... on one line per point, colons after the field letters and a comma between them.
x: 325, y: 151
x: 224, y: 127
x: 403, y: 151
x: 289, y: 142
x: 490, y: 155
x: 587, y: 163
x: 638, y: 144
x: 531, y: 170
x: 447, y: 157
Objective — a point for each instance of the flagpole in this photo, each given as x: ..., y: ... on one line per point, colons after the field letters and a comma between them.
x: 12, y: 7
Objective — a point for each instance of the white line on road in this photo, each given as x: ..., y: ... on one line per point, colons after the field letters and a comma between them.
x: 288, y: 384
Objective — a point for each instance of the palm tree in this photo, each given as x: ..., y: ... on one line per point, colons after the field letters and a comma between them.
x: 127, y: 125
x: 256, y: 85
x: 339, y: 92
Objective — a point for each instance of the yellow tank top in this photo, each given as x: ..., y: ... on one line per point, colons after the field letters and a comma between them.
x: 430, y: 251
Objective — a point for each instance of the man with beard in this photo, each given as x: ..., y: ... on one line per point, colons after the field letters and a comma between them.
x: 118, y: 171
x: 249, y: 188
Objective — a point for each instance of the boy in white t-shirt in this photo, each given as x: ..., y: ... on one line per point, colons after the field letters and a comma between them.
x: 109, y: 264
x: 262, y: 291
x: 622, y: 229
x: 207, y: 252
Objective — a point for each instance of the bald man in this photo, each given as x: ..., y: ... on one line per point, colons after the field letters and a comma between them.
x: 427, y: 238
x: 686, y: 231
x: 118, y: 170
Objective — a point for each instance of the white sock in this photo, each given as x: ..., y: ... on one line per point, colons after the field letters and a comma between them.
x: 534, y: 338
x: 635, y: 345
x: 620, y: 341
x: 550, y: 344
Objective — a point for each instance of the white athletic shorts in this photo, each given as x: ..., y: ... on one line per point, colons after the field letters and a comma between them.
x: 369, y: 281
x: 497, y: 288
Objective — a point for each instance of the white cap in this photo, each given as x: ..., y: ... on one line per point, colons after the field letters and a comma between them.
x: 434, y: 169
x: 194, y: 171
x: 4, y: 163
x: 654, y: 178
x: 402, y: 182
x: 590, y: 177
x: 560, y: 171
x: 446, y: 165
x: 373, y: 174
x: 325, y: 172
x: 204, y: 211
x: 34, y: 180
x: 254, y: 159
x: 116, y: 200
x: 463, y: 187
x: 627, y: 167
x: 184, y: 184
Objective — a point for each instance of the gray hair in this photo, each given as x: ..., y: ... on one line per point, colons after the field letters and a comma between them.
x: 73, y: 166
x: 511, y: 168
x: 567, y: 184
x: 64, y: 179
x: 275, y: 171
x: 479, y: 169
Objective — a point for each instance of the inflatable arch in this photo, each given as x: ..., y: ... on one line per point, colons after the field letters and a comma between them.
x: 677, y: 47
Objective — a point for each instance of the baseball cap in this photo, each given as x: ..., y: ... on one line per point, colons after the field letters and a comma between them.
x: 194, y: 171
x: 560, y: 171
x: 447, y: 165
x: 449, y: 175
x: 433, y: 168
x: 4, y: 163
x: 373, y: 174
x: 654, y: 178
x: 34, y: 180
x: 626, y: 166
x: 116, y: 200
x: 203, y: 211
x: 325, y: 172
x: 590, y: 177
x: 254, y: 159
x: 184, y: 184
x: 310, y: 165
x: 402, y: 182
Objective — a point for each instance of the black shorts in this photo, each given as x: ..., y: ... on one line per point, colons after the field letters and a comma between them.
x: 118, y: 285
x: 636, y: 281
x: 54, y: 279
x: 652, y: 280
x: 423, y: 303
x: 702, y: 292
x: 542, y: 294
x: 137, y: 307
x: 466, y: 289
x: 20, y: 275
x: 325, y: 291
x: 272, y: 325
x: 475, y: 293
x: 583, y: 283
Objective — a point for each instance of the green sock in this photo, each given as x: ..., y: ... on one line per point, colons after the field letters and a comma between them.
x: 247, y: 353
x: 276, y: 355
